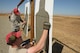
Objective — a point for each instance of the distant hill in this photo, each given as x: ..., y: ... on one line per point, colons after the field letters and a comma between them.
x: 6, y: 14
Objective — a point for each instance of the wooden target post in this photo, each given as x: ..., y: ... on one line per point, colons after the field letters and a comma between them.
x: 32, y: 20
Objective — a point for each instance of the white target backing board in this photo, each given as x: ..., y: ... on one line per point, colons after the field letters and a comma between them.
x: 41, y: 17
x: 43, y: 13
x: 27, y: 17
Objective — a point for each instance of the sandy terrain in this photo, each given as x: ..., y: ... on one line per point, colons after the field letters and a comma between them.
x: 5, y: 28
x: 67, y: 30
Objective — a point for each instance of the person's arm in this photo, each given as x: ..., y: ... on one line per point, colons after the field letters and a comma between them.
x: 21, y: 1
x: 40, y: 44
x: 42, y: 40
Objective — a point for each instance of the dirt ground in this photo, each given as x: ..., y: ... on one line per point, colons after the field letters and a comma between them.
x: 5, y: 28
x: 67, y: 30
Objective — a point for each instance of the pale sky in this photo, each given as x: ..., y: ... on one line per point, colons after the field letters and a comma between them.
x: 61, y: 7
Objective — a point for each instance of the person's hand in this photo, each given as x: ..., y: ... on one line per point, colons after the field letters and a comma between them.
x: 46, y: 25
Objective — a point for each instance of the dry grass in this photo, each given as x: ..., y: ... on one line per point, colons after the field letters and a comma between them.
x: 3, y: 14
x: 67, y: 30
